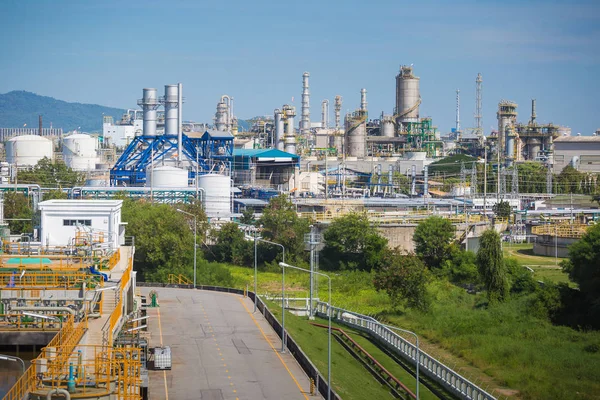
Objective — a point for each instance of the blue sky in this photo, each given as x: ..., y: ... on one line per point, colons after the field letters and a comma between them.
x: 105, y: 52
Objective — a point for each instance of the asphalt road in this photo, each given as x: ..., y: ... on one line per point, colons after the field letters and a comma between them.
x: 220, y: 350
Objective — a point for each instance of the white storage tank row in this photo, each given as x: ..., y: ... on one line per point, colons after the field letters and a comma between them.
x: 27, y: 150
x: 79, y: 152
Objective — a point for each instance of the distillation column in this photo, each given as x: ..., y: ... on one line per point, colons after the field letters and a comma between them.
x: 507, y: 117
x: 278, y: 139
x: 149, y: 103
x: 325, y: 114
x: 290, y: 138
x: 363, y: 99
x: 305, y: 123
x: 408, y: 96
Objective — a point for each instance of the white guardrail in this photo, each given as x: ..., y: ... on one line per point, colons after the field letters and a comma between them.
x: 452, y: 381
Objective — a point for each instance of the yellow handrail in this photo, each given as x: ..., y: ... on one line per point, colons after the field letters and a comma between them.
x: 561, y: 230
x: 179, y: 280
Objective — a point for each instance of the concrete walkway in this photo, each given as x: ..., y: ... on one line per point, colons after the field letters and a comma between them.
x: 220, y: 350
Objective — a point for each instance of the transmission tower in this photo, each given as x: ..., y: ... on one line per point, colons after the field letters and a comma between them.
x: 515, y: 183
x: 549, y: 181
x: 474, y: 179
x: 502, y: 182
x: 478, y: 121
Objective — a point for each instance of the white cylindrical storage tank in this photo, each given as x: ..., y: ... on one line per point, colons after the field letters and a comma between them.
x: 79, y: 152
x: 28, y: 149
x: 217, y: 194
x: 165, y: 176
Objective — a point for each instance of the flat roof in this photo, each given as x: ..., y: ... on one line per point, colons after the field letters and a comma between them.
x: 62, y: 202
x: 272, y: 153
x: 577, y: 139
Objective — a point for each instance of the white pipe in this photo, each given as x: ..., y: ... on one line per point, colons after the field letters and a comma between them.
x: 67, y: 309
x: 58, y: 391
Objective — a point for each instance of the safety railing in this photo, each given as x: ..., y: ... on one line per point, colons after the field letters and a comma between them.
x: 114, y: 259
x: 18, y: 322
x: 69, y: 335
x: 126, y: 275
x: 114, y: 319
x: 452, y: 381
x: 574, y: 231
x: 62, y: 280
x: 179, y: 280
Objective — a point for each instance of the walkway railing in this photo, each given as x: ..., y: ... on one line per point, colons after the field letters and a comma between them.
x: 452, y: 381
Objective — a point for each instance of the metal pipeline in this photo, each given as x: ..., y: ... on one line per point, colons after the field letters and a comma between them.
x: 59, y: 392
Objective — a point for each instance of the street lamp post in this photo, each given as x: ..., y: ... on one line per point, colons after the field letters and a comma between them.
x: 15, y: 359
x: 195, y: 243
x: 282, y: 292
x: 284, y: 265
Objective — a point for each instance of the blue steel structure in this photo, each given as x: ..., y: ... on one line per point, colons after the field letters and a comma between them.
x: 212, y: 148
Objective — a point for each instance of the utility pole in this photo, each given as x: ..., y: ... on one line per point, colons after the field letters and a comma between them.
x: 312, y: 239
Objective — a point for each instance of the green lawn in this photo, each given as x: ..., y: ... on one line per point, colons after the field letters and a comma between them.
x: 506, y: 346
x: 349, y: 378
x: 545, y: 268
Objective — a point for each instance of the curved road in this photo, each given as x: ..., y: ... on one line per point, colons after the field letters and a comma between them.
x: 220, y: 350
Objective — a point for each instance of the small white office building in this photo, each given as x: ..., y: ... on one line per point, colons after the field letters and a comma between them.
x: 62, y: 219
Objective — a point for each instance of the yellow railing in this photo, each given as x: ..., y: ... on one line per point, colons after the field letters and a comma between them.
x: 114, y: 259
x: 179, y: 280
x: 560, y: 230
x: 22, y: 322
x: 66, y: 280
x: 68, y: 336
x: 126, y: 275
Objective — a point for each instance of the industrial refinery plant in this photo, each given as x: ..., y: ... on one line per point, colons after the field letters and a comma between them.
x: 154, y: 152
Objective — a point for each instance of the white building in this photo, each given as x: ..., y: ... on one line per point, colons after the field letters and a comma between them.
x: 98, y: 219
x: 581, y: 152
x: 123, y: 132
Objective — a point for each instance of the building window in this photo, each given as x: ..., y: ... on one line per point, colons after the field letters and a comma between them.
x: 75, y: 222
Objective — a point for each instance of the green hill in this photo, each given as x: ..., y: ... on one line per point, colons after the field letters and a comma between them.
x: 20, y: 107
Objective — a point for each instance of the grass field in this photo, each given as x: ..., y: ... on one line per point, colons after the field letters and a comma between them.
x: 545, y: 268
x: 349, y: 378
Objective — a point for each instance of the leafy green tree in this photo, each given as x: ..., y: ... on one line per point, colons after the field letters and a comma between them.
x: 461, y: 266
x: 432, y: 238
x: 583, y: 267
x: 17, y: 206
x: 247, y: 217
x: 164, y: 242
x: 51, y: 174
x: 352, y: 242
x: 502, y: 209
x: 404, y: 278
x: 491, y: 266
x: 195, y: 208
x: 230, y: 245
x: 281, y: 224
x: 55, y: 195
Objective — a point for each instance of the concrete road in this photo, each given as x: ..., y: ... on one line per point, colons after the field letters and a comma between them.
x: 220, y: 350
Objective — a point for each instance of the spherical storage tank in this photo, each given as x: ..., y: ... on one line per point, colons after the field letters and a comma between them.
x: 28, y: 149
x: 79, y: 152
x: 217, y: 194
x: 166, y: 177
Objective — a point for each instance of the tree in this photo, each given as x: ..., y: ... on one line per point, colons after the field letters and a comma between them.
x: 432, y: 238
x: 55, y: 195
x: 248, y: 217
x: 230, y: 246
x: 51, y: 174
x: 351, y: 242
x: 502, y: 209
x: 491, y: 266
x: 403, y: 277
x: 164, y: 241
x: 583, y: 267
x: 17, y: 206
x: 281, y: 224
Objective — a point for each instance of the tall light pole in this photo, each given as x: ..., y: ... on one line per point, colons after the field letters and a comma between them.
x: 195, y: 236
x: 284, y: 265
x: 282, y: 293
x: 15, y: 359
